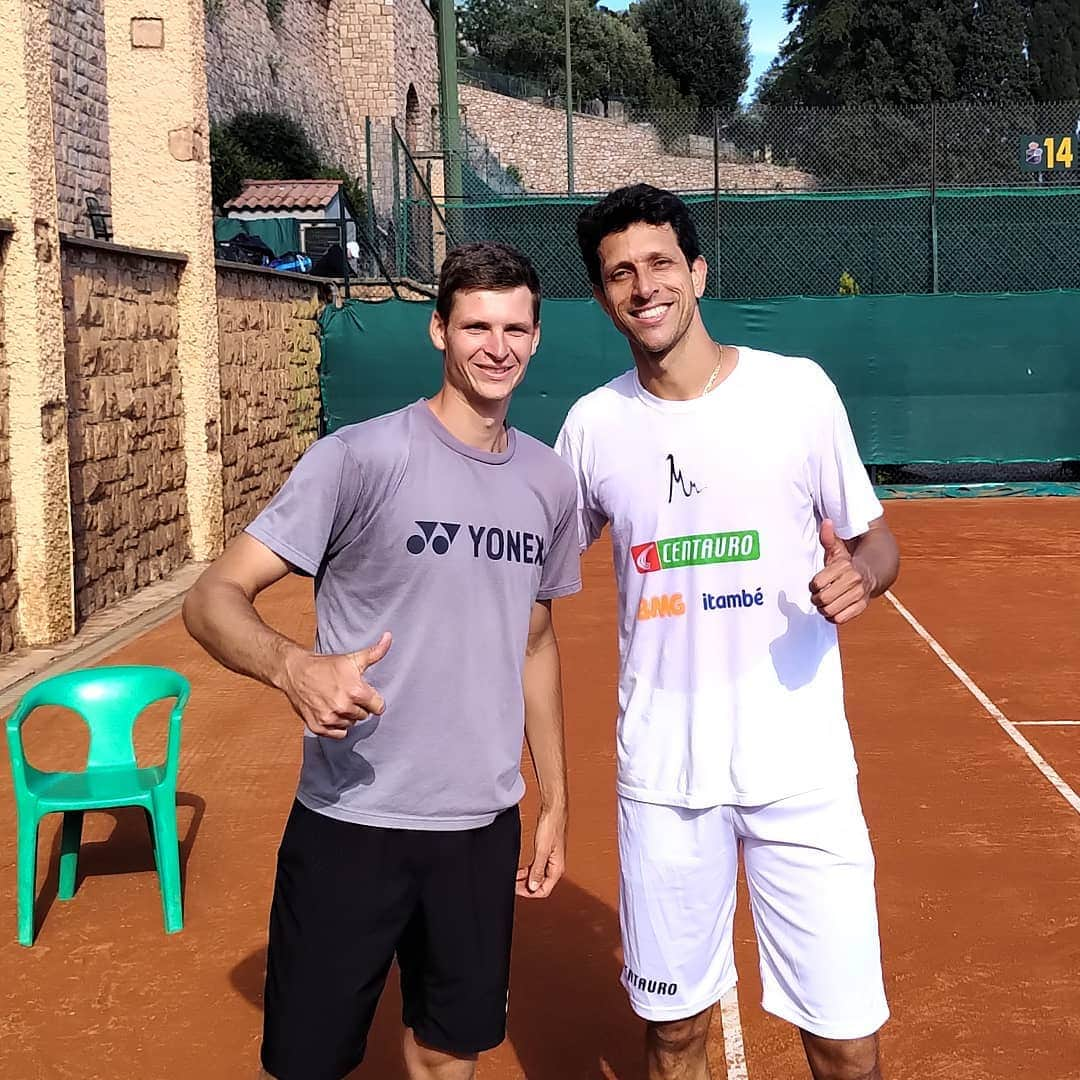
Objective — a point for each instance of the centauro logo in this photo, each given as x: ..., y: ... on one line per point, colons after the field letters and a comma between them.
x: 650, y: 986
x: 661, y: 607
x: 700, y: 550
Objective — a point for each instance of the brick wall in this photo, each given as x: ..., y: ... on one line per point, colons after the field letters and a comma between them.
x: 269, y: 385
x: 80, y: 109
x: 128, y: 504
x: 9, y: 587
x: 607, y: 153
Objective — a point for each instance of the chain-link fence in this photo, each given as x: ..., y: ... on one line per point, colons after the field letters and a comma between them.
x: 974, y: 197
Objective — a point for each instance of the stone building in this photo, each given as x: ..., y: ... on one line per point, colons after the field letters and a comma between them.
x: 327, y: 64
x: 150, y: 399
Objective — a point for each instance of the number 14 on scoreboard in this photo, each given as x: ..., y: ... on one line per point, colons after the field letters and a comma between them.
x: 1046, y: 153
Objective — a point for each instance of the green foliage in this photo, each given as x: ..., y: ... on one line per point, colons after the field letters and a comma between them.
x: 995, y: 68
x: 276, y: 140
x: 230, y: 165
x: 527, y: 38
x: 843, y: 52
x: 1054, y: 48
x: 704, y: 45
x: 514, y: 173
x: 674, y: 114
x: 848, y: 285
x: 269, y: 146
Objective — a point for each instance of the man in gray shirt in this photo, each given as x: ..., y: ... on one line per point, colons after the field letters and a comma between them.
x: 446, y: 531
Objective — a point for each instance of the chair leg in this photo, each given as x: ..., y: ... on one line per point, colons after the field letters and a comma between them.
x: 167, y: 850
x: 70, y: 839
x: 153, y: 840
x: 27, y: 874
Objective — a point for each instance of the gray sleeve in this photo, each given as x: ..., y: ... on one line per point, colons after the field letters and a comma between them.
x: 561, y: 574
x: 308, y: 519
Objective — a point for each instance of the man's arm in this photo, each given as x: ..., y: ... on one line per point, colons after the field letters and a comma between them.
x: 328, y: 693
x: 855, y: 570
x: 876, y: 556
x: 542, y: 684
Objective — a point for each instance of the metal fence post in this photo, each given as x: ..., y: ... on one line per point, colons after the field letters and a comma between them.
x: 395, y: 164
x: 716, y: 200
x: 344, y: 233
x: 369, y: 224
x: 569, y: 108
x: 933, y: 196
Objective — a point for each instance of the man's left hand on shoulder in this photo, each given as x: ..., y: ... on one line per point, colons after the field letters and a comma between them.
x: 843, y: 588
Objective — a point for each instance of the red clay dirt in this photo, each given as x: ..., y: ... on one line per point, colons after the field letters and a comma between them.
x: 978, y: 872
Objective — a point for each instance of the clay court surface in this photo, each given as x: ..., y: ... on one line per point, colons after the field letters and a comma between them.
x: 978, y: 850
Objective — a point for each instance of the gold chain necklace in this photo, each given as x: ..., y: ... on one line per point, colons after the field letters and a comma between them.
x: 715, y: 371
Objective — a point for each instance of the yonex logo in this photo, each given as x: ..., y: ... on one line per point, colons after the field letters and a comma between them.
x: 700, y: 550
x: 439, y: 544
x: 490, y: 541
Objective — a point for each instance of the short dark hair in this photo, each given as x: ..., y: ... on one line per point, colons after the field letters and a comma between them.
x: 628, y: 206
x: 485, y: 265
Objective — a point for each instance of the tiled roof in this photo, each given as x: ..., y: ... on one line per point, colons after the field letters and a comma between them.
x: 284, y: 195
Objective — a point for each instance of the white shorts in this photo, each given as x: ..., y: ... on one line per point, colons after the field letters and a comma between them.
x: 810, y: 870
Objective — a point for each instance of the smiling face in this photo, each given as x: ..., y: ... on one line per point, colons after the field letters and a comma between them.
x: 648, y: 288
x: 487, y: 342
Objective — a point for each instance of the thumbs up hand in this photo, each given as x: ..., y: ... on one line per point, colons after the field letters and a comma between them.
x: 330, y: 693
x: 842, y: 589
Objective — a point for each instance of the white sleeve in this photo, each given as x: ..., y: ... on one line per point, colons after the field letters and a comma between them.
x: 843, y: 491
x: 570, y: 447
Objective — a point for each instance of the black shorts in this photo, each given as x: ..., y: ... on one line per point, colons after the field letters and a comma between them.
x: 347, y: 899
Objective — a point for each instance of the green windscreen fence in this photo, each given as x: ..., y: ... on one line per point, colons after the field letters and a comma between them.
x: 946, y: 378
x: 765, y: 245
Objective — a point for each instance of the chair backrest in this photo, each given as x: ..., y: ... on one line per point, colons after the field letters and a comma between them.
x: 110, y: 700
x: 97, y: 218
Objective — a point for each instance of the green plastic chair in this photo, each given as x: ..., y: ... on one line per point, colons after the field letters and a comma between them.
x: 109, y: 700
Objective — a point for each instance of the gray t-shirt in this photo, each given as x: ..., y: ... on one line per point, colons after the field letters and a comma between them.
x: 407, y: 529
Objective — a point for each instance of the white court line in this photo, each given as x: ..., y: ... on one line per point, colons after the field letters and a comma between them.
x: 1047, y: 723
x: 733, y: 1044
x: 1005, y: 723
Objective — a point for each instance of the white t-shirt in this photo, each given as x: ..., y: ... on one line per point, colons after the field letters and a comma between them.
x: 730, y: 687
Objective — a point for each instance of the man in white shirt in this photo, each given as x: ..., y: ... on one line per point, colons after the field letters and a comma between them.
x: 744, y: 530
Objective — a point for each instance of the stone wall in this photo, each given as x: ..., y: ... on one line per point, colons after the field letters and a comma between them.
x: 80, y: 109
x: 269, y: 384
x: 129, y: 517
x: 607, y: 153
x: 328, y: 64
x: 416, y: 58
x: 253, y: 65
x: 9, y: 586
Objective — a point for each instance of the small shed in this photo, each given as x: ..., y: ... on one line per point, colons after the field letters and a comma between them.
x: 311, y: 207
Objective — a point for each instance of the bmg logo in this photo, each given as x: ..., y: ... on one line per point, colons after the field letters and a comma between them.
x: 440, y: 544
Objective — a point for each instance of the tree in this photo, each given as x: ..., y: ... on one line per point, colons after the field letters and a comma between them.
x: 610, y: 58
x: 853, y: 52
x: 269, y: 146
x: 704, y: 45
x: 996, y: 68
x: 1054, y: 49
